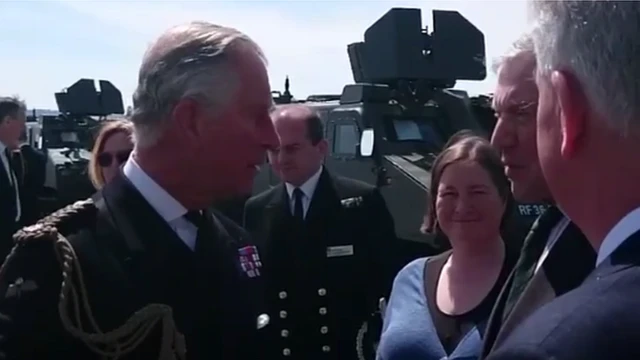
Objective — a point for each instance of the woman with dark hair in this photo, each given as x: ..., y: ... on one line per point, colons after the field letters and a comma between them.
x: 456, y: 290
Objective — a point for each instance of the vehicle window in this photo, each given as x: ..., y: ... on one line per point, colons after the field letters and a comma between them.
x: 417, y: 130
x: 346, y: 139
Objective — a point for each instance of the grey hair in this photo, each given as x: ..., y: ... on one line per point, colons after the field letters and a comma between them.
x: 523, y: 46
x: 597, y: 41
x: 190, y: 61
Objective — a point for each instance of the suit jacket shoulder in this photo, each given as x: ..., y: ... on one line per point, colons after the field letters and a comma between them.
x: 353, y: 186
x: 263, y: 198
x: 597, y: 320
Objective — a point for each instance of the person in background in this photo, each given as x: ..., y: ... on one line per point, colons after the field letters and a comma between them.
x: 542, y: 272
x: 468, y: 204
x: 588, y: 140
x: 110, y: 151
x: 143, y: 269
x: 12, y: 122
x: 326, y: 241
x: 30, y: 166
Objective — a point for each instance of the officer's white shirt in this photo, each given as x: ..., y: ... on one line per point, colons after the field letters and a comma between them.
x: 626, y: 227
x: 308, y: 188
x: 554, y: 235
x: 164, y: 204
x: 13, y: 181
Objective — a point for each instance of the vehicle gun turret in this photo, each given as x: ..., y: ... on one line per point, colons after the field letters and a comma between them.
x: 67, y: 138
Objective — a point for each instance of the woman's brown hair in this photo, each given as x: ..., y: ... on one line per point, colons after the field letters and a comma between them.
x: 108, y: 129
x: 462, y: 146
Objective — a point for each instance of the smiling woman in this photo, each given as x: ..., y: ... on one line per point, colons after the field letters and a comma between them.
x: 468, y: 206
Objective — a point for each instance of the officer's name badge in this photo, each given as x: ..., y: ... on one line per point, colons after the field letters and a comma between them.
x: 250, y: 261
x: 337, y: 251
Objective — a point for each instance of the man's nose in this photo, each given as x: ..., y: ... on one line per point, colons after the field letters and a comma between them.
x: 502, y: 135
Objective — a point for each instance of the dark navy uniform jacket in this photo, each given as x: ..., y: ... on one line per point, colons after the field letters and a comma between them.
x: 324, y: 278
x: 131, y: 258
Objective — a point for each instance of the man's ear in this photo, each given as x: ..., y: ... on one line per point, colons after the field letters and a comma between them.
x: 572, y: 110
x: 323, y: 146
x: 184, y: 116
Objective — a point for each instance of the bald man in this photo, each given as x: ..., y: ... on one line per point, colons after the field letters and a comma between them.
x: 325, y: 242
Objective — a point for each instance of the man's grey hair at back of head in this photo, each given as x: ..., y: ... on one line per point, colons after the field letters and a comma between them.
x: 523, y: 46
x: 187, y: 61
x: 597, y: 41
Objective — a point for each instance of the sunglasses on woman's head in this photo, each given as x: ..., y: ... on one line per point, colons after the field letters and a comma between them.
x: 105, y: 159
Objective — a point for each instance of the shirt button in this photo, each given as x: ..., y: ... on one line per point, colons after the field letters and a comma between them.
x: 322, y: 311
x: 326, y: 348
x: 324, y: 330
x: 286, y: 352
x: 322, y: 292
x: 283, y: 314
x: 284, y: 333
x: 282, y: 295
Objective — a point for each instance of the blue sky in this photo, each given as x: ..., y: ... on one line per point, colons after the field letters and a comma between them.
x: 47, y: 45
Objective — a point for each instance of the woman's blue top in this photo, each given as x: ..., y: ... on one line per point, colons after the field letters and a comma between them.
x: 408, y: 330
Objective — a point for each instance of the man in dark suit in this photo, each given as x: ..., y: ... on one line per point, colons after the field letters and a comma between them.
x: 542, y: 272
x: 326, y: 242
x: 12, y: 122
x: 587, y: 129
x: 147, y: 272
x: 30, y: 165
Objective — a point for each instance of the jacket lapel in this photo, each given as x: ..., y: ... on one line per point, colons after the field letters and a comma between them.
x: 494, y: 322
x: 553, y: 279
x: 323, y: 201
x: 150, y: 251
x: 537, y: 292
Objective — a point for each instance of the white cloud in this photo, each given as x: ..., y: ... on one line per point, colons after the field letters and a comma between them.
x: 309, y: 46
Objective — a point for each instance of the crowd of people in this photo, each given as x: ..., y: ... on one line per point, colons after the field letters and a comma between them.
x: 147, y: 268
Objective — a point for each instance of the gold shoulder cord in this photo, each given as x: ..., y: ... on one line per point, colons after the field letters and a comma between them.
x: 73, y: 295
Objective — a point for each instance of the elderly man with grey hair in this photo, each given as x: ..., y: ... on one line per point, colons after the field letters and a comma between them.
x: 147, y: 271
x: 542, y: 272
x: 587, y: 136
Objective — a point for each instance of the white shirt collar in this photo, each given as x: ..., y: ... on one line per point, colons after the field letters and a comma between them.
x: 164, y: 204
x: 2, y: 147
x: 626, y: 227
x: 308, y: 187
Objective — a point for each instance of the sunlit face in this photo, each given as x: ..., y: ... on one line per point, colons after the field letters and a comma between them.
x: 468, y: 205
x: 114, y: 153
x: 11, y: 127
x: 515, y: 103
x: 232, y: 144
x: 549, y: 134
x: 297, y: 158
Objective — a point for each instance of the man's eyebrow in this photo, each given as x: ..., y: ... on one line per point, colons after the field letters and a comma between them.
x: 519, y: 106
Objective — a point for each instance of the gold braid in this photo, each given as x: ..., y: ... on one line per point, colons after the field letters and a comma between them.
x: 112, y: 344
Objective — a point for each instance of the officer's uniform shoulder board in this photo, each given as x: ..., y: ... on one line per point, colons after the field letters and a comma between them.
x: 66, y: 221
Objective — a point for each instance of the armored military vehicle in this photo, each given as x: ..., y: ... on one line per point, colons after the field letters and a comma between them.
x: 67, y: 138
x: 388, y: 127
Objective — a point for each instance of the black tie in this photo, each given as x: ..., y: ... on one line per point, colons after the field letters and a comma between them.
x: 298, y: 210
x: 532, y: 249
x: 7, y: 154
x: 199, y: 219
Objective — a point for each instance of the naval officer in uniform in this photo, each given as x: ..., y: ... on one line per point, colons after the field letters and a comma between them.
x: 326, y: 244
x: 141, y: 271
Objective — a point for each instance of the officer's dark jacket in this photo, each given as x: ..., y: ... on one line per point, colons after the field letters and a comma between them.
x: 131, y: 258
x: 30, y: 169
x: 318, y: 301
